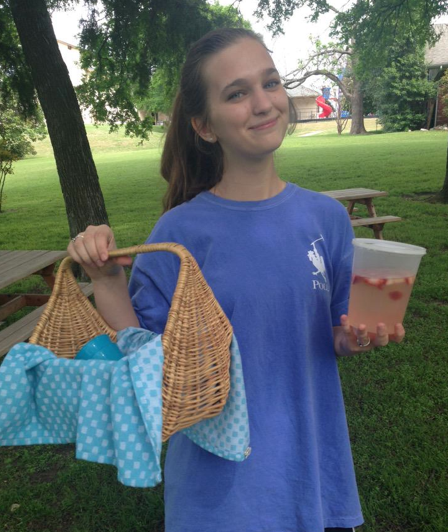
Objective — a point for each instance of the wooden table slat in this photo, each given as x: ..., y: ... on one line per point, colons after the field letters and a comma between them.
x: 358, y: 222
x: 354, y: 193
x: 9, y: 259
x: 4, y: 256
x: 14, y: 258
x: 26, y: 263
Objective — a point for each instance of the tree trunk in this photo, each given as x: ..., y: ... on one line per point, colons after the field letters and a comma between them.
x: 357, y: 127
x: 443, y: 194
x: 80, y: 186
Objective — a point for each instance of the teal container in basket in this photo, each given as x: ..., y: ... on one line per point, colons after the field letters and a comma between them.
x: 99, y: 348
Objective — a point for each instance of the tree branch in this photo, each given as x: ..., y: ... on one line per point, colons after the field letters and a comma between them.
x: 293, y: 83
x: 331, y: 8
x: 332, y: 51
x: 318, y: 54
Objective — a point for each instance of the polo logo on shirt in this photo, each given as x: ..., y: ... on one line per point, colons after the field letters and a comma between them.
x: 321, y: 282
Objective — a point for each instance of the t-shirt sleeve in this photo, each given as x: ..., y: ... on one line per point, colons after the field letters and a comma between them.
x: 153, y: 281
x: 342, y: 268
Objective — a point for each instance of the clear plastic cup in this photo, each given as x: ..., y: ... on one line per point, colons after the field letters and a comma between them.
x: 383, y: 276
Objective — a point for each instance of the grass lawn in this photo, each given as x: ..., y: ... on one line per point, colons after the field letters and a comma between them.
x: 396, y: 398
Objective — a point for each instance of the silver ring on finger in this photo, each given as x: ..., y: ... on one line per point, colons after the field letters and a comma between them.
x: 363, y: 344
x: 77, y: 236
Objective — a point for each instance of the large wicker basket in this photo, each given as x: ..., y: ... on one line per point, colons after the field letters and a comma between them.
x: 196, y: 339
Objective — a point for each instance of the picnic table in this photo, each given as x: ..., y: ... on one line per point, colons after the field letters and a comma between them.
x: 18, y: 265
x: 363, y: 196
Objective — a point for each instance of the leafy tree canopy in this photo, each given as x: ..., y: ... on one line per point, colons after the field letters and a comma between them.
x: 371, y: 28
x: 401, y: 89
x: 443, y: 89
x: 16, y: 85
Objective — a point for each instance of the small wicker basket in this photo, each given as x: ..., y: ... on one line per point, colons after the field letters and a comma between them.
x: 196, y: 340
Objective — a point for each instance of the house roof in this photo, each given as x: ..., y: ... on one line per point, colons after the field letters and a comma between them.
x: 438, y: 55
x: 302, y: 92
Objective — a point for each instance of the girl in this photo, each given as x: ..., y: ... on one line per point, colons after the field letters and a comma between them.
x: 278, y: 259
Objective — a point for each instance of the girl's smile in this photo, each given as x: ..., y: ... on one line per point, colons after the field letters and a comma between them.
x: 265, y: 125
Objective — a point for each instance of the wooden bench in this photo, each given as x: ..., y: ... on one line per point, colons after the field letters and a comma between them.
x: 376, y: 223
x: 22, y: 329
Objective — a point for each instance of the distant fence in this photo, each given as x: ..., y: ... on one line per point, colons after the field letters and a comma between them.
x: 303, y: 115
x: 315, y: 119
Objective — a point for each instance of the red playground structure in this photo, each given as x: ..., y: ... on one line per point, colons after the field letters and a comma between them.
x: 326, y: 109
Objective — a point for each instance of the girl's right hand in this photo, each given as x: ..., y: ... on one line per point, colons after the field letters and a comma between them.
x: 91, y: 250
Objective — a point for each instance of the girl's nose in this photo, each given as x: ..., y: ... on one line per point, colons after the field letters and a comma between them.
x: 261, y: 102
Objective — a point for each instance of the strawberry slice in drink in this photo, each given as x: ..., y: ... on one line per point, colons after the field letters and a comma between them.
x: 372, y: 281
x: 376, y: 282
x: 396, y: 295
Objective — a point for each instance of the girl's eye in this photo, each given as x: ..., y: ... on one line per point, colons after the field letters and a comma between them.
x: 235, y: 95
x: 272, y: 84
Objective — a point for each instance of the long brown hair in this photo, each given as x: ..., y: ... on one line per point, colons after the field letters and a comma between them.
x: 190, y: 164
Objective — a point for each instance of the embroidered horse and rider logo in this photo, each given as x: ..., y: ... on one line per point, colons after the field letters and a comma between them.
x: 319, y: 264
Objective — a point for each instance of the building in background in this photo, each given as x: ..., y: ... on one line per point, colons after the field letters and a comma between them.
x: 304, y: 101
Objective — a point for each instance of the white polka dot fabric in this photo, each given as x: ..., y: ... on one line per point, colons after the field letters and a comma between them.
x: 112, y: 410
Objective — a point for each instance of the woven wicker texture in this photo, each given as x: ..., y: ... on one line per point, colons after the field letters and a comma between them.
x: 196, y: 339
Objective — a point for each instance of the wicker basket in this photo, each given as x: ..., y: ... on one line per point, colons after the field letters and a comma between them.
x: 195, y: 342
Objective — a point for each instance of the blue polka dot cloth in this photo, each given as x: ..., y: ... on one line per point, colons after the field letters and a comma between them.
x: 111, y: 410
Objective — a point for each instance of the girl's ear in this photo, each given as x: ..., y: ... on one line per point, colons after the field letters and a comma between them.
x: 203, y: 130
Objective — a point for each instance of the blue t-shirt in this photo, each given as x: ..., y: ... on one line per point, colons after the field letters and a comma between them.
x: 280, y: 269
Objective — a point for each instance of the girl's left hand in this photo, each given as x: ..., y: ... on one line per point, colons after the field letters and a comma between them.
x: 349, y: 340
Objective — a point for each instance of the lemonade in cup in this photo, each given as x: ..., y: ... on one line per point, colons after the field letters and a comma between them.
x: 383, y: 276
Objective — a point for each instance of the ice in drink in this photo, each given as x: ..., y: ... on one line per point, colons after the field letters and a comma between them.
x: 379, y: 297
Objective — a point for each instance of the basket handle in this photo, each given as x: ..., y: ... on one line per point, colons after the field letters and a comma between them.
x: 184, y: 255
x: 172, y: 247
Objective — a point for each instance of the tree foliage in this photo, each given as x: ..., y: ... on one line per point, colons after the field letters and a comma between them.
x: 161, y: 92
x: 17, y: 136
x: 370, y: 29
x: 375, y: 26
x: 401, y: 90
x: 379, y: 26
x: 443, y: 91
x: 16, y: 83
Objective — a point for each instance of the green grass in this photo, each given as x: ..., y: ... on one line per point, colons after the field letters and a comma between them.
x: 396, y: 398
x: 57, y: 493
